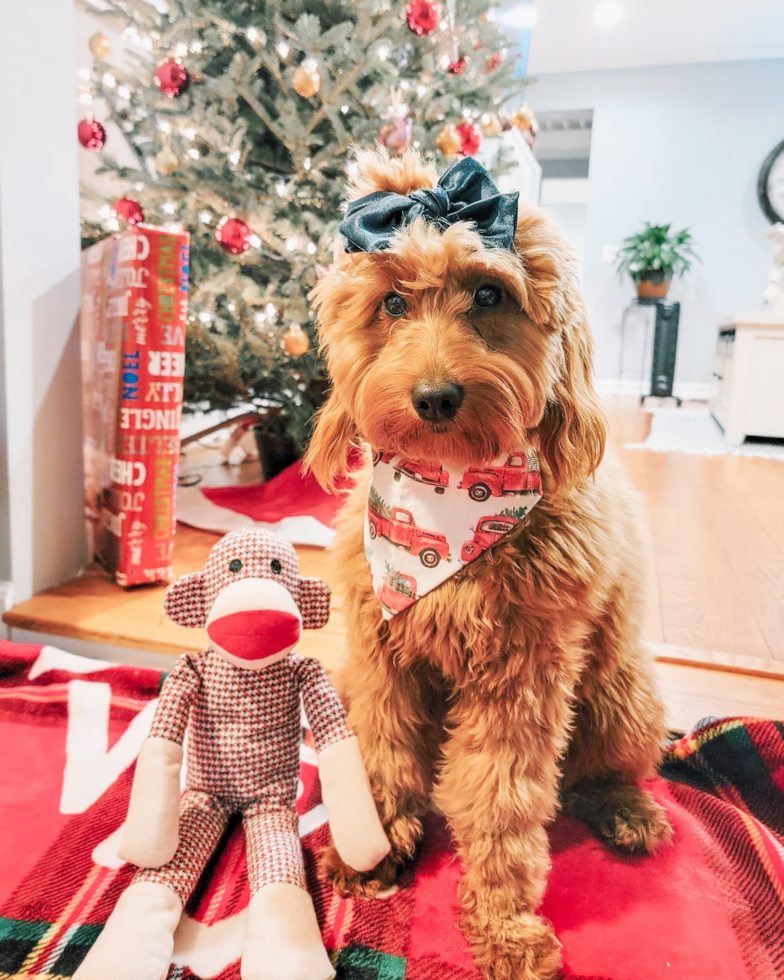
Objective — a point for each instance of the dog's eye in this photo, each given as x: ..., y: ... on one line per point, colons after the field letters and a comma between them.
x: 395, y: 305
x: 487, y: 296
x: 235, y: 565
x: 276, y: 566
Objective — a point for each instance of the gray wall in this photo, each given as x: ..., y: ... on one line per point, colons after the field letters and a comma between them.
x: 680, y: 144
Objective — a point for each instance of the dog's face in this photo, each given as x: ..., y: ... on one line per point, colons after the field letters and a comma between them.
x: 442, y: 349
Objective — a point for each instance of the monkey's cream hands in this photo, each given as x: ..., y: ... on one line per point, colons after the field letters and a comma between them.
x: 152, y: 826
x: 353, y: 819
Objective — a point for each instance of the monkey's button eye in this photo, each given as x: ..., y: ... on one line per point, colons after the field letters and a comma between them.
x: 235, y: 565
x: 276, y: 566
x: 487, y: 296
x: 395, y: 305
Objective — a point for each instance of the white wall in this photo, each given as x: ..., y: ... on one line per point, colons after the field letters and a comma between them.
x: 680, y: 144
x: 41, y: 520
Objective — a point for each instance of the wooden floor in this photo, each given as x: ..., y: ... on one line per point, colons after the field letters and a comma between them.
x: 717, y: 528
x: 716, y: 613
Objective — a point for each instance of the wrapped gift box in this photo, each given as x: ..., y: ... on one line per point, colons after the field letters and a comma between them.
x: 134, y: 306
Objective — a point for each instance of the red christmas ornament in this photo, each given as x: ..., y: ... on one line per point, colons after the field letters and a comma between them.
x: 234, y: 236
x: 396, y: 135
x: 171, y: 78
x: 495, y: 59
x: 470, y: 138
x: 92, y: 135
x: 423, y: 16
x: 126, y: 209
x: 457, y: 67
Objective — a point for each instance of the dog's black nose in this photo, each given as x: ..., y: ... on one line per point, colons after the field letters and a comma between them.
x: 433, y: 404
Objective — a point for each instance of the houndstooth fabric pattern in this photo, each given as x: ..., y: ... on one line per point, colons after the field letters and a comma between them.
x: 180, y: 687
x: 184, y: 602
x: 272, y: 844
x: 320, y: 701
x: 203, y: 819
x: 250, y: 553
x: 273, y: 847
x: 243, y: 756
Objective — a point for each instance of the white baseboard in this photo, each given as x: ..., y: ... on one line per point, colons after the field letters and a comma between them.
x: 6, y: 596
x: 688, y: 390
x: 95, y: 651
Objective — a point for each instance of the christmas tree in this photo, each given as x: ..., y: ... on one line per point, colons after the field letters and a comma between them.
x: 241, y: 115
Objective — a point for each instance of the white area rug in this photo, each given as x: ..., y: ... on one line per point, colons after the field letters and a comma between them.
x: 694, y: 430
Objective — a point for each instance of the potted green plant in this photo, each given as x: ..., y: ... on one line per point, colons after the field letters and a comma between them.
x: 654, y: 256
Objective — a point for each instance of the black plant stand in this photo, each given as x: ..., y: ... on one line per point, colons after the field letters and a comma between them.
x: 665, y: 345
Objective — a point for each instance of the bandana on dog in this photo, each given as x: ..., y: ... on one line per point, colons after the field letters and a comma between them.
x: 423, y: 523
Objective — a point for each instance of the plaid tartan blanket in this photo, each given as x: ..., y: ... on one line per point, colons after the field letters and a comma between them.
x: 711, y: 907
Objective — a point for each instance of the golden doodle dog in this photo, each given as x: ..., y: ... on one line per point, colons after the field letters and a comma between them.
x: 522, y: 677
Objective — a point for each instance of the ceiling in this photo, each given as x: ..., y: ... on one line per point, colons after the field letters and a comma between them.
x: 565, y: 37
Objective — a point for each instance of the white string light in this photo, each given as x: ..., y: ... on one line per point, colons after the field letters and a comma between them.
x: 189, y: 133
x: 85, y: 98
x: 205, y: 317
x: 164, y: 126
x: 168, y: 207
x: 311, y: 248
x: 193, y: 153
x: 234, y: 157
x: 255, y: 241
x: 205, y: 217
x: 84, y: 73
x: 283, y: 49
x: 124, y: 92
x: 109, y: 80
x: 271, y: 310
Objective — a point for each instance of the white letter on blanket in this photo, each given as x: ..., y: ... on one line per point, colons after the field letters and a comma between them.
x: 90, y: 766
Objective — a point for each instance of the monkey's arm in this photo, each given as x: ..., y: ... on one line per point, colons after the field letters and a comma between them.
x: 353, y: 819
x: 152, y: 826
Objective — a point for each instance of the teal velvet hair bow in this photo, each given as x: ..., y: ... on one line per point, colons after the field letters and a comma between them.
x: 465, y: 192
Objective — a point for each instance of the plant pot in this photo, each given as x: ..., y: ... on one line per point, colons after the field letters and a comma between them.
x: 653, y: 285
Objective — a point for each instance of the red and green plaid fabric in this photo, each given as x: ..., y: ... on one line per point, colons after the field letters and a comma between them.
x: 711, y: 907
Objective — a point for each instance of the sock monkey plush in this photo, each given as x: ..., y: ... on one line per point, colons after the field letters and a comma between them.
x: 240, y: 702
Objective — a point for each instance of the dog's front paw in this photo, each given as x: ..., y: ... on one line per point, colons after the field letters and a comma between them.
x: 404, y: 833
x: 520, y: 947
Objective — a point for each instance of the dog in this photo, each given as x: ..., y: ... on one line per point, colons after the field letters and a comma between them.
x: 522, y: 678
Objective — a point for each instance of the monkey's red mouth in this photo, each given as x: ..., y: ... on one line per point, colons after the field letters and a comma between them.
x: 255, y: 634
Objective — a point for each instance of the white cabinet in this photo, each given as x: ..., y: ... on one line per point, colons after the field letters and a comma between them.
x: 747, y: 388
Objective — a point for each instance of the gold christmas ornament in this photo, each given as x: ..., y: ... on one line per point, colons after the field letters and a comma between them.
x: 491, y: 125
x: 166, y: 162
x: 306, y: 80
x: 448, y: 141
x: 522, y: 118
x: 296, y: 341
x: 99, y: 46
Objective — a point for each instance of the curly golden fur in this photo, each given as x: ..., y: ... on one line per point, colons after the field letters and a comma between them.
x: 523, y: 674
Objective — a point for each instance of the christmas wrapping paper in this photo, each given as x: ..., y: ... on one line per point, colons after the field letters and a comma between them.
x: 134, y: 304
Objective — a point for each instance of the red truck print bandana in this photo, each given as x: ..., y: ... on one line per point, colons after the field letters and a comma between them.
x: 424, y: 522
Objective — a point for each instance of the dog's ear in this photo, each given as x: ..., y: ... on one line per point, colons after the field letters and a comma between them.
x: 377, y: 171
x: 573, y: 431
x: 327, y: 453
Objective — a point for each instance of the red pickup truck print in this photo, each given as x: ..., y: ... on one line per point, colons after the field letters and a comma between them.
x: 435, y: 476
x: 488, y: 530
x: 514, y: 476
x: 400, y: 528
x: 397, y: 593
